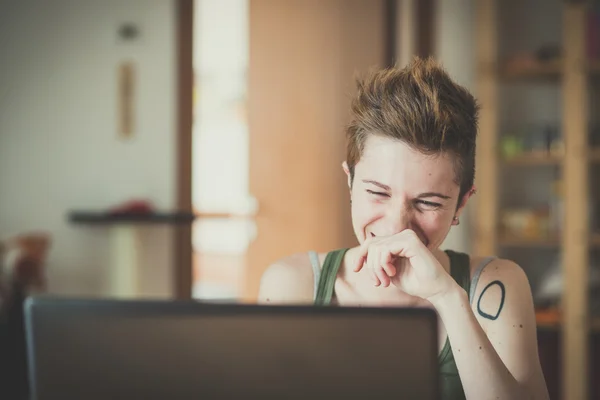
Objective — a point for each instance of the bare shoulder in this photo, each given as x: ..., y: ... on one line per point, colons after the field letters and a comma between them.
x: 288, y: 280
x: 502, y: 293
x: 499, y: 269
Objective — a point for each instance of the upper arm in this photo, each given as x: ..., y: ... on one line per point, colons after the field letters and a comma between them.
x: 503, y: 305
x: 288, y: 281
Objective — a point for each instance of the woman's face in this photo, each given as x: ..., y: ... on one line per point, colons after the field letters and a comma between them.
x: 396, y: 187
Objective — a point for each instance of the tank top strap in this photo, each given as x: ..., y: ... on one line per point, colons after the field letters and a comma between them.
x: 460, y: 269
x: 329, y: 272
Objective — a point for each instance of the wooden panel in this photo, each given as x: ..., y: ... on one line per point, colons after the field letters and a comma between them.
x: 390, y: 32
x: 407, y: 28
x: 303, y: 57
x: 425, y: 15
x: 575, y: 238
x: 487, y: 156
x: 182, y: 249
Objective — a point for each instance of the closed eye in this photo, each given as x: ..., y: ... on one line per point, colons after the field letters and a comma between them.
x: 380, y: 194
x: 429, y: 204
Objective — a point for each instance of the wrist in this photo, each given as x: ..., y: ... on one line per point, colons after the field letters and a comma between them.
x: 451, y: 299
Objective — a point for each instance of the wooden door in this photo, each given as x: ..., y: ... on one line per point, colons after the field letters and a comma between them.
x: 303, y: 58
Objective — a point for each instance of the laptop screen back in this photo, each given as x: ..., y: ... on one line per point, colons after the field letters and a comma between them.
x: 116, y: 349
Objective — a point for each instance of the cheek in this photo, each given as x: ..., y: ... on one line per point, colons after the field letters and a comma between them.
x: 432, y: 227
x: 363, y: 213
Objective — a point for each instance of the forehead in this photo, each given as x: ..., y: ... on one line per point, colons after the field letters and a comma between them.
x: 395, y: 164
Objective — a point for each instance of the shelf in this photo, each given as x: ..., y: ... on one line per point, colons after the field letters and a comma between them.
x: 594, y: 67
x: 551, y: 319
x: 595, y: 240
x: 594, y: 325
x: 594, y: 155
x: 533, y: 159
x: 104, y: 218
x: 532, y: 71
x: 550, y: 242
x: 525, y: 242
x: 541, y: 71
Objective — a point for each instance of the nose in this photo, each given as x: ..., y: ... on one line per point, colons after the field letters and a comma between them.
x: 397, y: 219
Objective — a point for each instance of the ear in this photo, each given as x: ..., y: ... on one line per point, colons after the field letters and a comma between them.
x: 464, y: 201
x: 347, y: 171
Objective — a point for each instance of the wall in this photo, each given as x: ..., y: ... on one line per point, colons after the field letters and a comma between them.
x: 59, y: 148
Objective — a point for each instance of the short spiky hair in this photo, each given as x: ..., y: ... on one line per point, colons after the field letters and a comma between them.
x: 421, y: 106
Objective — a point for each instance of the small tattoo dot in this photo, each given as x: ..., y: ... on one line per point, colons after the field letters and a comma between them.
x: 459, y: 350
x: 479, y: 347
x: 520, y: 326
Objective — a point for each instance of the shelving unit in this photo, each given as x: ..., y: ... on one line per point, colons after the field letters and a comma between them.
x: 573, y: 72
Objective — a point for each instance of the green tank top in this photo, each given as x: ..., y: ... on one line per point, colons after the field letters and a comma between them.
x: 451, y: 386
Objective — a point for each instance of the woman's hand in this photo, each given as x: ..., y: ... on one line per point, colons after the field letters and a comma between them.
x: 402, y: 260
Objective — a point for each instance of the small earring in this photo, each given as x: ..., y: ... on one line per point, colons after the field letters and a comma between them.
x: 455, y: 221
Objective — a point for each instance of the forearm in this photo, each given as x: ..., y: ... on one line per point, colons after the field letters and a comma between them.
x: 482, y: 372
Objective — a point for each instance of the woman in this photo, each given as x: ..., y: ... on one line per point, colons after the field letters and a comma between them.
x: 410, y: 168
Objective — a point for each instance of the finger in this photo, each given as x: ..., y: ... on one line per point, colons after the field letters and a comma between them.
x: 408, y: 244
x: 360, y: 263
x: 383, y: 270
x: 371, y: 265
x: 385, y: 280
x: 387, y: 263
x: 361, y: 255
x: 371, y: 262
x: 390, y: 269
x: 374, y: 278
x: 378, y: 268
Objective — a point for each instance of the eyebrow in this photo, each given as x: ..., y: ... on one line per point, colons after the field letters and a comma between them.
x: 433, y: 194
x: 378, y: 184
x: 421, y: 196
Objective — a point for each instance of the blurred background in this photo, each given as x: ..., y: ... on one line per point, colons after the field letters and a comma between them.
x: 175, y: 148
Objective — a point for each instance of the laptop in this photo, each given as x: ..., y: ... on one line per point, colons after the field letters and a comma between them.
x: 148, y: 349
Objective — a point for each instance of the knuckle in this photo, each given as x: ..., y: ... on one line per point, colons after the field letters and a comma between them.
x: 411, y: 235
